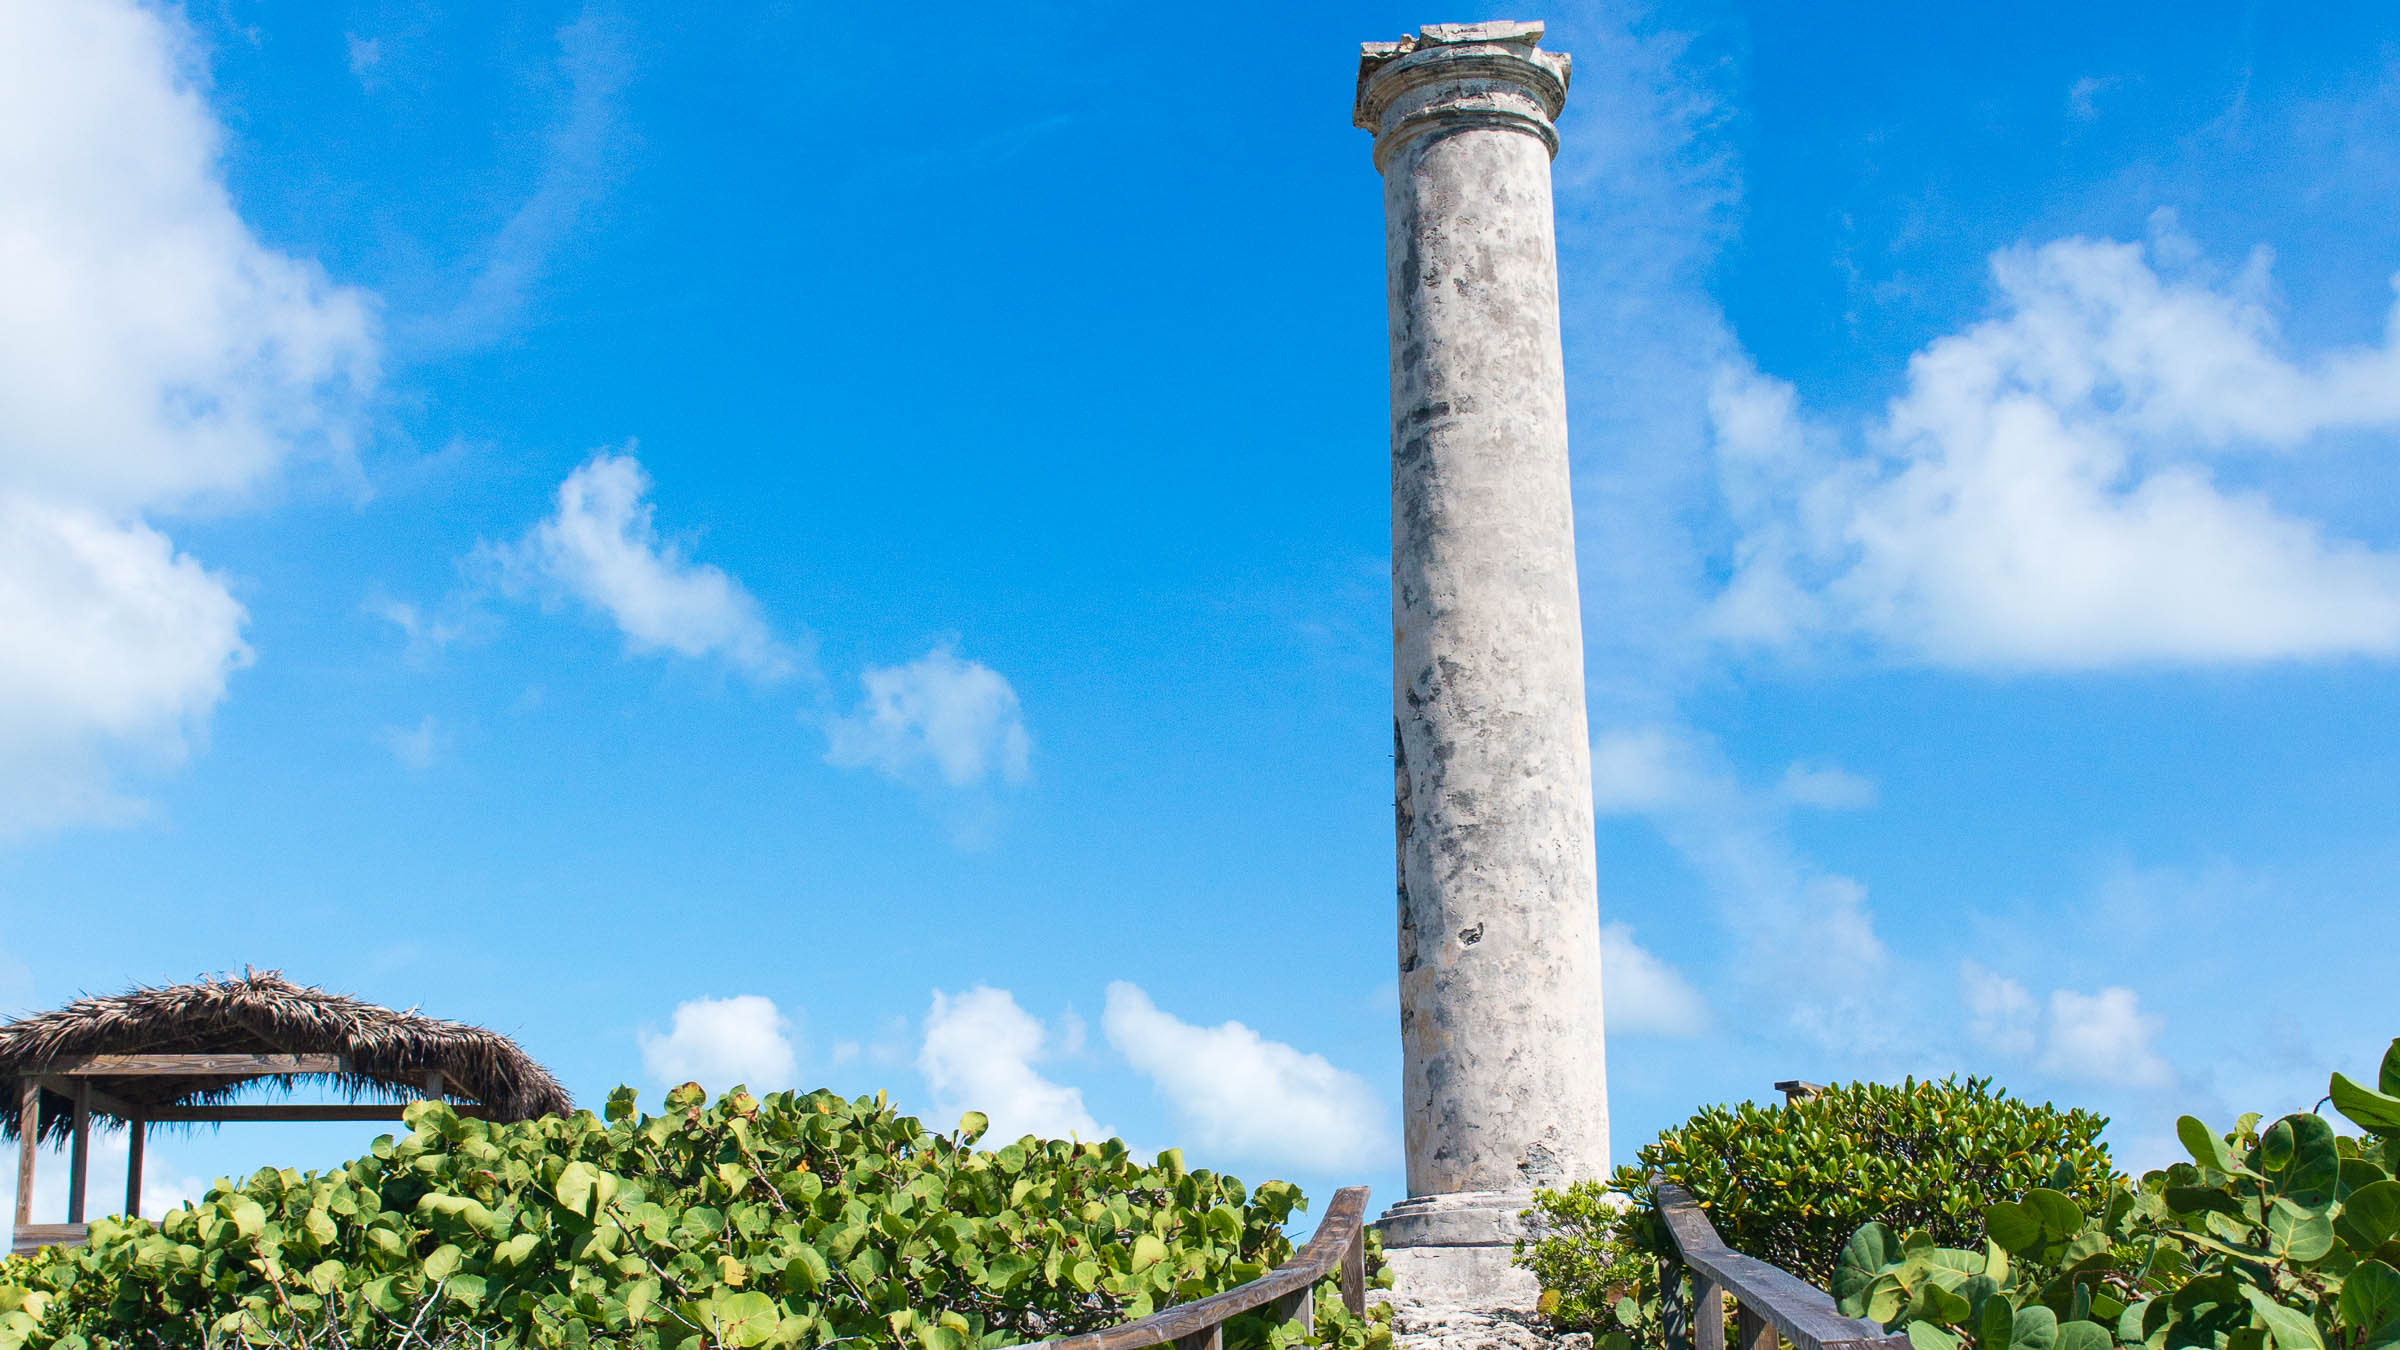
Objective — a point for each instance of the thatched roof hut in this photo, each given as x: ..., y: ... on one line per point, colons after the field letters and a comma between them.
x: 363, y: 1053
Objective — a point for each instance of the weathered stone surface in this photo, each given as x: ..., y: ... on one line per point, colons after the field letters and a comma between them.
x: 1504, y: 1077
x: 1489, y: 1307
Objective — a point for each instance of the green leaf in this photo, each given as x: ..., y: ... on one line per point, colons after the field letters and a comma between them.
x: 2387, y: 1078
x: 2016, y: 1228
x: 2035, y: 1328
x: 2299, y: 1232
x: 972, y: 1126
x: 2289, y: 1328
x: 2083, y: 1336
x: 2060, y: 1217
x: 2205, y: 1147
x: 2374, y: 1110
x: 806, y: 1272
x: 584, y: 1190
x: 1994, y: 1323
x: 1927, y: 1336
x: 443, y: 1263
x: 747, y: 1318
x: 2370, y: 1296
x: 2371, y: 1215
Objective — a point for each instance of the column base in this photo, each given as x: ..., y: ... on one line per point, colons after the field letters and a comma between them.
x: 1458, y: 1251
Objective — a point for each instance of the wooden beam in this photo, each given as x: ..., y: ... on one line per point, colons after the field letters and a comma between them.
x: 79, y: 1153
x: 29, y: 1140
x: 1804, y: 1314
x: 231, y: 1115
x: 32, y: 1237
x: 102, y: 1102
x: 135, y: 1131
x: 199, y: 1066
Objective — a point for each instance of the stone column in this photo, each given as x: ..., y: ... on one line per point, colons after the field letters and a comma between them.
x: 1505, y: 1083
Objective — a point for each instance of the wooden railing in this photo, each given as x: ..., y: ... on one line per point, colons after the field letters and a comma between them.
x: 1340, y: 1243
x: 1771, y: 1303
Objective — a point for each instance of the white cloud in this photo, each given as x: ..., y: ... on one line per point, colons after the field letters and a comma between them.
x: 719, y: 1042
x: 979, y: 1054
x: 2103, y: 1038
x: 958, y: 717
x: 415, y: 747
x: 601, y: 546
x: 111, y: 644
x: 1244, y: 1094
x: 153, y: 354
x: 1645, y: 996
x: 2042, y: 495
x: 2002, y: 1016
x: 152, y: 350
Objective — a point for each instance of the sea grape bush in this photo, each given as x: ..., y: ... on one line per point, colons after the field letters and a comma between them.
x: 1789, y: 1183
x: 2286, y: 1238
x: 793, y: 1220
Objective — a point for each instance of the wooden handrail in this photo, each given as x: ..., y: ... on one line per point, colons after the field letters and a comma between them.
x: 1340, y: 1241
x: 1772, y: 1302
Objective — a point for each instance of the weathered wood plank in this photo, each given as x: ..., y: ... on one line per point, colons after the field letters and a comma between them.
x: 234, y: 1115
x: 79, y: 1153
x: 102, y: 1102
x: 1354, y: 1275
x: 1211, y: 1339
x: 29, y: 1141
x: 1798, y: 1090
x: 198, y: 1066
x: 135, y: 1134
x: 1804, y: 1314
x: 1344, y: 1219
x: 1708, y: 1314
x: 1753, y: 1331
x: 32, y: 1237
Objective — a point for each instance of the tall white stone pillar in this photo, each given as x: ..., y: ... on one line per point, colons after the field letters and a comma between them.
x: 1505, y: 1081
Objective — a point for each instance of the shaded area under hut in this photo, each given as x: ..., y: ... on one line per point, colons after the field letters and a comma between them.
x: 183, y: 1054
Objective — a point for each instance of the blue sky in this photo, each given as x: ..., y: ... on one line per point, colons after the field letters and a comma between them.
x: 760, y: 543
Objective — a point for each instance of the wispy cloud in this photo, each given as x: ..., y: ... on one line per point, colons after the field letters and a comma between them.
x: 940, y: 714
x: 579, y: 163
x: 600, y: 546
x: 1809, y: 949
x: 415, y: 747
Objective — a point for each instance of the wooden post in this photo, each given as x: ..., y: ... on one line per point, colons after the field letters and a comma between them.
x: 1754, y: 1331
x: 1708, y: 1314
x: 135, y: 1131
x: 1354, y: 1274
x: 433, y: 1085
x: 1674, y: 1316
x: 1211, y: 1339
x: 79, y: 1157
x: 29, y: 1138
x: 1300, y: 1307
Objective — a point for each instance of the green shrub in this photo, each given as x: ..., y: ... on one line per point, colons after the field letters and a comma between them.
x: 2286, y: 1238
x: 796, y: 1220
x: 1790, y: 1183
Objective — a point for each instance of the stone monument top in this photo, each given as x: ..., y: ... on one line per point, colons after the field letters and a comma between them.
x: 1499, y: 63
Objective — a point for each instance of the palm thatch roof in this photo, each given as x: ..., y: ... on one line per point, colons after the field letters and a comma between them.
x: 388, y: 1054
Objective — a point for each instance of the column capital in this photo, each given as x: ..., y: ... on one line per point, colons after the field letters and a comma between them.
x: 1452, y: 75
